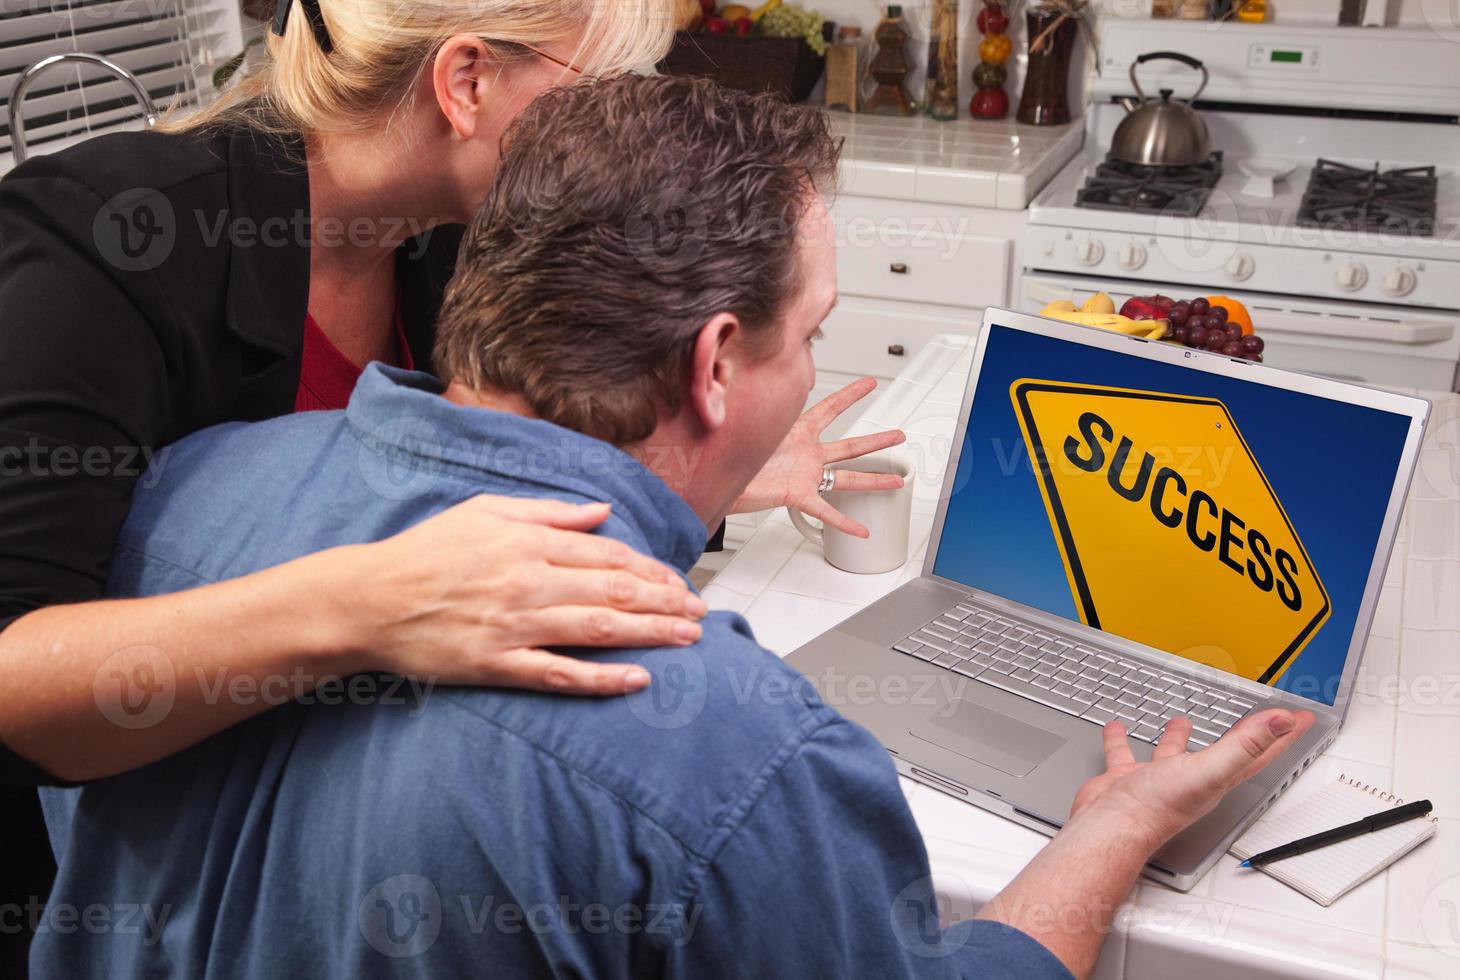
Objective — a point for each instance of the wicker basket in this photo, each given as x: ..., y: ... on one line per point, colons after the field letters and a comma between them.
x: 751, y: 64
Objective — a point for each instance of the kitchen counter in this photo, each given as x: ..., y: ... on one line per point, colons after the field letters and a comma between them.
x: 969, y: 162
x: 1403, y: 731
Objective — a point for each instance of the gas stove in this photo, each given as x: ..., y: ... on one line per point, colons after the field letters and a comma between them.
x: 1348, y: 198
x: 1119, y: 186
x: 1353, y: 264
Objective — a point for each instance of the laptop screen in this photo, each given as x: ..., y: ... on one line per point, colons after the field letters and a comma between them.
x: 1216, y: 519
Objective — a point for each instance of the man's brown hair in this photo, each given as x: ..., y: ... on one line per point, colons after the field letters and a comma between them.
x: 625, y: 214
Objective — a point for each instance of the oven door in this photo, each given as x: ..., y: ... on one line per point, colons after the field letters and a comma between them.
x: 1386, y: 346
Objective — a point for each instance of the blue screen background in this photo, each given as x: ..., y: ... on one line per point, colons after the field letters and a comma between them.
x: 1331, y: 464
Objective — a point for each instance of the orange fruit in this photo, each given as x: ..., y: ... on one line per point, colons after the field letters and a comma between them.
x: 995, y: 48
x: 1236, y: 312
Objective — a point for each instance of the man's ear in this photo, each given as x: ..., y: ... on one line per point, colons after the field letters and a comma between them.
x: 713, y: 368
x: 459, y: 79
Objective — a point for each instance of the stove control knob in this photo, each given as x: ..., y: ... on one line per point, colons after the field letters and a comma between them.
x: 1132, y: 256
x: 1351, y: 276
x: 1089, y: 252
x: 1240, y: 266
x: 1399, y: 281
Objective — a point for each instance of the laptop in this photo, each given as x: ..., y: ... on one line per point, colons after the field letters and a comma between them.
x: 1128, y: 529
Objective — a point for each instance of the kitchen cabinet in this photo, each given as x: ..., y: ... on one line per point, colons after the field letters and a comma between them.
x: 880, y: 337
x: 908, y: 271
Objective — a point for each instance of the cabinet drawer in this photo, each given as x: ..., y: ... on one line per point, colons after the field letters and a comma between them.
x: 880, y: 337
x: 920, y: 266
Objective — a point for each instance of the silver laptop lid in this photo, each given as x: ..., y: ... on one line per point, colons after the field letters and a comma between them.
x: 1214, y: 509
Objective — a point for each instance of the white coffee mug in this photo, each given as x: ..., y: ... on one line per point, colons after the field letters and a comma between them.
x: 884, y: 513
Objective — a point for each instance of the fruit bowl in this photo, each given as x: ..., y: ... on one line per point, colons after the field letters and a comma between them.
x: 1219, y: 324
x: 785, y: 65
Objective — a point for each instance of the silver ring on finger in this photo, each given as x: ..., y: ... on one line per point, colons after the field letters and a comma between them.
x: 828, y: 481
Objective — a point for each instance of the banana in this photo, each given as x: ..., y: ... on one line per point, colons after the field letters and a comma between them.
x: 1150, y: 329
x: 1095, y: 314
x: 763, y: 9
x: 1105, y: 321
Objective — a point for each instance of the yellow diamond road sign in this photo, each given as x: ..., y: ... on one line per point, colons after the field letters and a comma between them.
x: 1170, y: 533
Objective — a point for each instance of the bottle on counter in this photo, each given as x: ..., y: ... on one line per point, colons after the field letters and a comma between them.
x: 1163, y: 9
x: 1193, y: 10
x: 889, y: 67
x: 990, y: 101
x: 1052, y: 32
x: 845, y: 65
x: 940, y: 97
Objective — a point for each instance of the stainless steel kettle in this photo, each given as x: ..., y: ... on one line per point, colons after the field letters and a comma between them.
x: 1162, y: 133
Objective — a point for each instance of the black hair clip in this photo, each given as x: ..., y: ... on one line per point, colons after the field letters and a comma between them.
x: 312, y: 14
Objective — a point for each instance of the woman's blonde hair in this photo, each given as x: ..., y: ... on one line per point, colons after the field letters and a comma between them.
x: 380, y: 48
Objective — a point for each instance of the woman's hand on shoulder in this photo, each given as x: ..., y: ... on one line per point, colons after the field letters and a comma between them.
x: 474, y: 594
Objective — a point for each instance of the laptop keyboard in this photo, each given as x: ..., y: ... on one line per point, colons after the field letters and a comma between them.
x: 1079, y: 680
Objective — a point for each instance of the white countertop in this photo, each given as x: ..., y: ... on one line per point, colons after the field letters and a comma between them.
x: 1403, y: 732
x: 971, y: 162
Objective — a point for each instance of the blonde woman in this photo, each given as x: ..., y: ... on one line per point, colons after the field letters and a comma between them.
x: 247, y: 263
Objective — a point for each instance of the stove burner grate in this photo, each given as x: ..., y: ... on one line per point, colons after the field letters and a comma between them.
x: 1120, y: 186
x: 1345, y: 198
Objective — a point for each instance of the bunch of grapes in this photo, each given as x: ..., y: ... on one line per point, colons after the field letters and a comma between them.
x: 1197, y: 323
x: 790, y: 21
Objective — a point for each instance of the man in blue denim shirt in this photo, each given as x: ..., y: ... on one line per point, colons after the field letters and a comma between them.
x: 723, y: 822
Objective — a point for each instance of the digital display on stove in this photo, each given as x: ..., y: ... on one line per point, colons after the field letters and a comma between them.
x: 1216, y: 519
x: 1289, y: 57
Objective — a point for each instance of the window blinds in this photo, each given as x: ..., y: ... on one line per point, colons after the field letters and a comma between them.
x: 169, y: 45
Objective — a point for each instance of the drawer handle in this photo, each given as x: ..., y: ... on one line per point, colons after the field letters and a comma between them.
x: 899, y: 268
x: 896, y: 350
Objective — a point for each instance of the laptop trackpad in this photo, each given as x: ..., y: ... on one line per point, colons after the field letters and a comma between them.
x: 984, y: 735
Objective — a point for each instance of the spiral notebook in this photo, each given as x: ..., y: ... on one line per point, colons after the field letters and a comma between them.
x: 1325, y: 874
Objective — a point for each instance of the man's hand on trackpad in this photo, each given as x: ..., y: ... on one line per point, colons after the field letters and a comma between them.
x: 1162, y: 797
